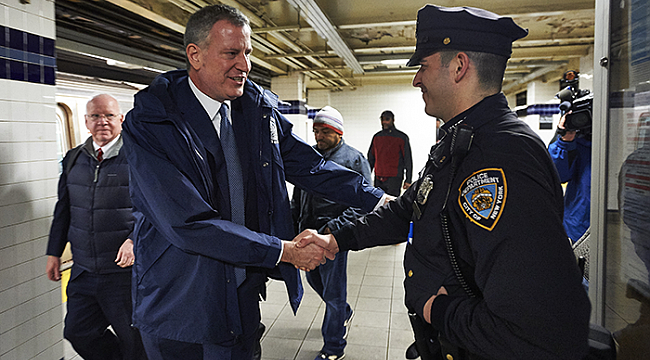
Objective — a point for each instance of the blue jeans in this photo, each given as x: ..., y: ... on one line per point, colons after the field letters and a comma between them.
x: 330, y: 282
x: 96, y: 301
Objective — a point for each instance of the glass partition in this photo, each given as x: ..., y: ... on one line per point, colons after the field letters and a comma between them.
x: 626, y: 232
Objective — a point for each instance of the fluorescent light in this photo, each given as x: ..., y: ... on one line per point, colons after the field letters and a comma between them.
x: 123, y: 65
x: 395, y: 62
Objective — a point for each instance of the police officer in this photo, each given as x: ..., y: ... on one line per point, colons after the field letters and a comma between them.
x: 490, y: 273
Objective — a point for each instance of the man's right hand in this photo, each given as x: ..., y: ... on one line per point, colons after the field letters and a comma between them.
x: 327, y: 242
x: 305, y: 258
x: 52, y: 269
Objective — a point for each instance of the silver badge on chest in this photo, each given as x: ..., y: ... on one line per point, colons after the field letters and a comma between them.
x: 425, y: 188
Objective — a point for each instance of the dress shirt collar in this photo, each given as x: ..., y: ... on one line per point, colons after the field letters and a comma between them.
x: 106, y: 148
x: 210, y: 105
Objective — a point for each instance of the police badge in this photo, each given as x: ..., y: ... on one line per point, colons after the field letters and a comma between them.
x: 425, y: 188
x: 423, y: 193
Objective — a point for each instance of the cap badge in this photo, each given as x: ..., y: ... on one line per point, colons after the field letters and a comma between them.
x: 446, y: 41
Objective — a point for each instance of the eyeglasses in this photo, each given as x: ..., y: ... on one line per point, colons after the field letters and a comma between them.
x: 97, y: 117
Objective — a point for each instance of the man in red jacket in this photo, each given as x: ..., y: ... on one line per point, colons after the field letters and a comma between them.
x: 390, y: 156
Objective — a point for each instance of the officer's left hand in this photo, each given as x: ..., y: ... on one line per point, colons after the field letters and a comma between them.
x: 427, y: 305
x: 125, y: 256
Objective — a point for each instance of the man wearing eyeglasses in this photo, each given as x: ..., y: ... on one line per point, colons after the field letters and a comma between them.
x: 94, y: 214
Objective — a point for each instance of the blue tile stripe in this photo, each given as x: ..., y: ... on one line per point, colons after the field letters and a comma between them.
x: 293, y: 107
x: 26, y: 57
x: 311, y: 113
x: 543, y: 109
x: 297, y: 107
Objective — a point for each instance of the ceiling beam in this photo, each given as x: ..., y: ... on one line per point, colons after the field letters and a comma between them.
x: 317, y: 19
x: 342, y: 27
x: 137, y: 9
x: 551, y: 52
x: 89, y: 45
x: 530, y: 77
x: 301, y: 54
x: 322, y: 69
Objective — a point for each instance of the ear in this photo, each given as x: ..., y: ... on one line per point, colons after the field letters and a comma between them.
x: 460, y: 66
x: 194, y: 57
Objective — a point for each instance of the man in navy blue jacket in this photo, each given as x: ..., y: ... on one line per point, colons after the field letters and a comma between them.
x: 191, y: 239
x: 94, y: 214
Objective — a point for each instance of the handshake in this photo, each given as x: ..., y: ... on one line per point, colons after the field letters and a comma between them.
x: 309, y: 249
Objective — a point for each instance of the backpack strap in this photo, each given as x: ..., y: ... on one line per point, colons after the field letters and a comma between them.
x: 73, y: 158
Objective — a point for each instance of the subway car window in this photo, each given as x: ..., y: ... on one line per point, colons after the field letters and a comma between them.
x: 63, y: 130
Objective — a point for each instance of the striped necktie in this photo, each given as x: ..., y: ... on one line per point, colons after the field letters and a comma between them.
x: 100, y: 155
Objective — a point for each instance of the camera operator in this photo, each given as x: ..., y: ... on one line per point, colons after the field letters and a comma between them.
x: 571, y: 153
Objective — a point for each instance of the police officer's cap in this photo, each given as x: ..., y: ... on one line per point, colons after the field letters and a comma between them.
x: 463, y: 28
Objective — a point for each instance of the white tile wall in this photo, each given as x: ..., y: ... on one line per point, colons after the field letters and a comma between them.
x: 301, y: 127
x: 30, y: 304
x: 289, y: 87
x: 542, y: 93
x: 318, y: 99
x: 36, y: 18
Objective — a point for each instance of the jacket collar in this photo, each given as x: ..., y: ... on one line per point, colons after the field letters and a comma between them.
x: 484, y: 111
x: 113, y: 151
x: 481, y: 113
x: 328, y: 153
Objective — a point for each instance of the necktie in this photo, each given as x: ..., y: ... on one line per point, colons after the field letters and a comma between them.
x: 235, y: 179
x: 100, y: 155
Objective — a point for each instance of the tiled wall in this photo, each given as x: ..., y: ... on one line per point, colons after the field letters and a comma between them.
x: 291, y: 87
x: 30, y: 304
x: 26, y: 57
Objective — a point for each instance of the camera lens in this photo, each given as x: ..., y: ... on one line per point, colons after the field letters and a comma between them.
x: 578, y: 120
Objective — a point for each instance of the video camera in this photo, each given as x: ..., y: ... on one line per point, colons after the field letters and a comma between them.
x: 579, y: 102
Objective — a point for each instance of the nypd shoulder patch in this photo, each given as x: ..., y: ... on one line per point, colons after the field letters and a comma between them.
x: 482, y: 197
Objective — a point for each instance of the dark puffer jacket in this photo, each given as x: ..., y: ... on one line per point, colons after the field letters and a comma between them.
x: 94, y: 211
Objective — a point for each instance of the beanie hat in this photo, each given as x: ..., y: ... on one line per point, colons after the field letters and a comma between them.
x: 331, y: 118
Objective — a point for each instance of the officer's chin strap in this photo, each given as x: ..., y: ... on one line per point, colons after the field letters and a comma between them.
x: 461, y: 141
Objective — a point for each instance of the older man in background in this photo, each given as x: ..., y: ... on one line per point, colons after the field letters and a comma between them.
x: 94, y: 214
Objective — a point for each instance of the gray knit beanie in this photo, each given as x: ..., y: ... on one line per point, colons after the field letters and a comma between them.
x: 331, y: 118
